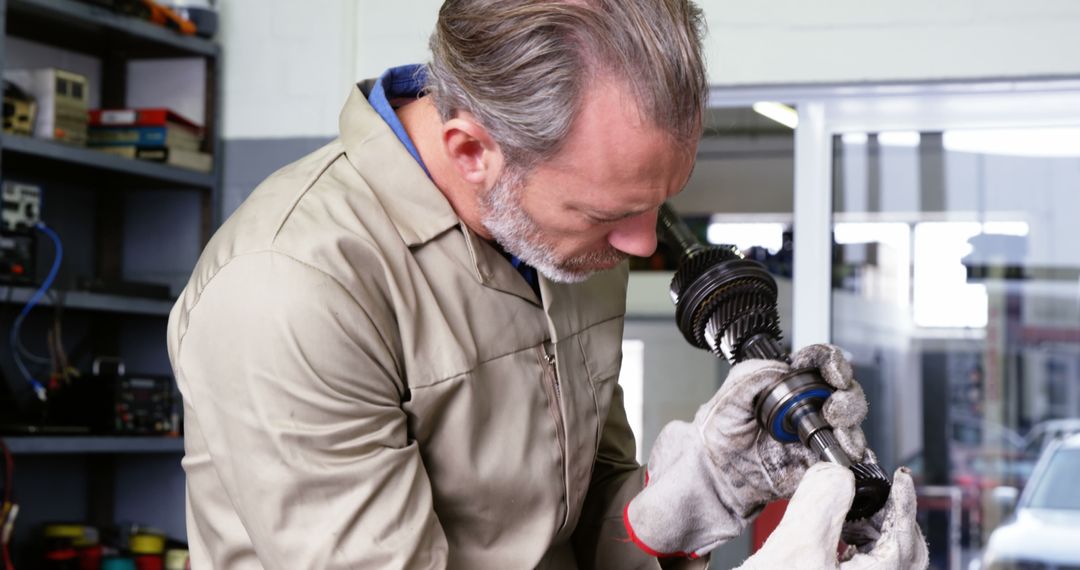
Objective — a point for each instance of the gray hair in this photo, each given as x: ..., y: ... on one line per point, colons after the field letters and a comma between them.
x: 521, y: 66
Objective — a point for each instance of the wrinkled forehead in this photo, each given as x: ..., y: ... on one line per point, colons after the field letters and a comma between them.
x: 612, y: 135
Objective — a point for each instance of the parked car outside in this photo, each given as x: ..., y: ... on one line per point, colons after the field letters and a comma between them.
x: 1044, y: 531
x: 996, y: 456
x: 1045, y: 432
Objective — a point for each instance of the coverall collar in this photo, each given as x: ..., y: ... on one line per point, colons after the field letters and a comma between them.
x: 416, y: 208
x: 402, y: 83
x: 414, y: 205
x: 398, y: 85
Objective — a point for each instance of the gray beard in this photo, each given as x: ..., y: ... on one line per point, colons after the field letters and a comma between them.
x: 521, y: 236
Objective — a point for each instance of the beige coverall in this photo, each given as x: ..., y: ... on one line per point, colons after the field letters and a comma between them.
x: 367, y: 384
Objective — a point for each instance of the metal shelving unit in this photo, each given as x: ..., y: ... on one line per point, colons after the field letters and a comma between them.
x: 82, y: 300
x: 84, y: 163
x: 97, y: 197
x: 114, y: 38
x: 79, y: 26
x: 75, y: 444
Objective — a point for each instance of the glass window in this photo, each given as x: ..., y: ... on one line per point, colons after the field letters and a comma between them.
x: 956, y: 288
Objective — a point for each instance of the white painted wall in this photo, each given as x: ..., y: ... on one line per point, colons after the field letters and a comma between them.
x: 392, y: 33
x: 289, y: 65
x: 794, y: 41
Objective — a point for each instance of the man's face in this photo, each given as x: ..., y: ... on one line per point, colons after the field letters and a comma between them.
x: 595, y: 203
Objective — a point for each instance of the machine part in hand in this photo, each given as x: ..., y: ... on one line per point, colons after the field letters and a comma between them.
x: 726, y: 304
x: 789, y: 411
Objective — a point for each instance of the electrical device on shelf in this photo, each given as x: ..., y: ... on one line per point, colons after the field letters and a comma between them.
x: 62, y: 100
x: 21, y: 211
x: 144, y: 404
x: 20, y: 109
x: 111, y: 400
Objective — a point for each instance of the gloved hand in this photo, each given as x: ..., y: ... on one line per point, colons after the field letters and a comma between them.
x: 811, y: 528
x: 707, y: 478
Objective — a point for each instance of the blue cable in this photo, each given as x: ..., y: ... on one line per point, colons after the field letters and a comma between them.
x: 39, y: 387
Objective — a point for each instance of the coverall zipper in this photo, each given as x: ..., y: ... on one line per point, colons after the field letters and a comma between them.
x: 554, y: 376
x: 551, y: 383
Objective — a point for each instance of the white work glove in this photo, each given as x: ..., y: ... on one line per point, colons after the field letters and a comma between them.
x: 706, y: 479
x: 812, y: 526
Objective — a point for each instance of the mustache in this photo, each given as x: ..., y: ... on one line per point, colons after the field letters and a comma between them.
x: 608, y: 256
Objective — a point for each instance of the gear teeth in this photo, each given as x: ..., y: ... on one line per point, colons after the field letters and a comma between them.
x: 723, y: 300
x: 697, y: 263
x: 872, y: 488
x: 749, y: 309
x: 869, y: 471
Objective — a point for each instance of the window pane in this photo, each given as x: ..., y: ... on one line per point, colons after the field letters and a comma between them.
x: 956, y: 288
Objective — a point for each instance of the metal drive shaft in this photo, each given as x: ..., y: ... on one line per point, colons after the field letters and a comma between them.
x: 726, y: 304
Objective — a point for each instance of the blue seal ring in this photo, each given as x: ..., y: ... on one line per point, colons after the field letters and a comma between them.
x: 778, y: 431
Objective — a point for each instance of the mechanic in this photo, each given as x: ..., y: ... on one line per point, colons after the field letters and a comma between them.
x: 402, y: 350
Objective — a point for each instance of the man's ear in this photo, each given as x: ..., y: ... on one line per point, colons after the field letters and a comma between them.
x: 475, y: 156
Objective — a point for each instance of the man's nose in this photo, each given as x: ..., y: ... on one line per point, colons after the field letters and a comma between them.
x: 636, y: 235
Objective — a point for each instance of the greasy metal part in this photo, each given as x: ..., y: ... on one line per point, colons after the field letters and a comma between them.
x: 676, y: 233
x: 872, y: 488
x: 789, y: 411
x: 795, y: 396
x: 764, y: 347
x: 726, y: 304
x: 828, y: 449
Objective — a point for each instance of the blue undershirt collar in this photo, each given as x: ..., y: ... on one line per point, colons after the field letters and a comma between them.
x: 396, y: 83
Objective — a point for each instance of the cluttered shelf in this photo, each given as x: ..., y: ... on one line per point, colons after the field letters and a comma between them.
x: 76, y: 444
x: 81, y: 27
x: 88, y: 301
x: 43, y: 154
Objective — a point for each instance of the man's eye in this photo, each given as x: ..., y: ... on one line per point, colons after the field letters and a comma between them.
x: 597, y: 219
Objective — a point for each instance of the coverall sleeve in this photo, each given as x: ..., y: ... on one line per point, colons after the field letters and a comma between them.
x: 600, y: 540
x: 297, y: 393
